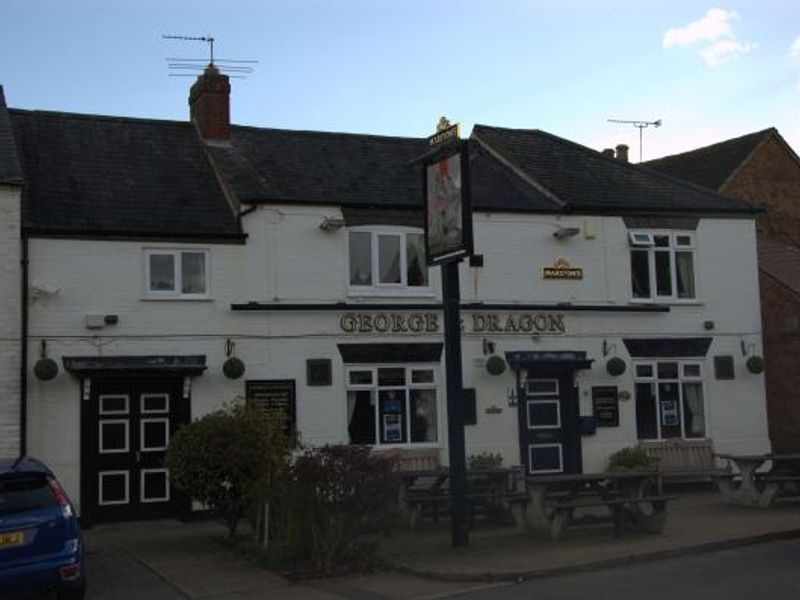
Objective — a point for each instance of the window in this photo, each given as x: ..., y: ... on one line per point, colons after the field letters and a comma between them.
x: 387, y: 259
x: 177, y: 273
x: 669, y: 400
x: 389, y: 405
x: 662, y: 266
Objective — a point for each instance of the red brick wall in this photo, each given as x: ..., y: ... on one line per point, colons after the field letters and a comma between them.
x: 782, y: 357
x: 771, y: 179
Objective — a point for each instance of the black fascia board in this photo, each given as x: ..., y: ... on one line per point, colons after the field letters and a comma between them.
x: 468, y: 306
x: 201, y: 238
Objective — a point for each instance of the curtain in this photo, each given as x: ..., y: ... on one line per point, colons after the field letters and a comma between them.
x: 684, y: 264
x: 693, y: 401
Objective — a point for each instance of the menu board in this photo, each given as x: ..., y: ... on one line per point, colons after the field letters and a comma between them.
x: 605, y: 406
x: 275, y: 397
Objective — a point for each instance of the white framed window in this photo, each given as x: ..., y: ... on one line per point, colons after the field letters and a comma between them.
x: 176, y: 273
x: 113, y: 488
x: 114, y: 436
x: 545, y: 458
x: 153, y: 403
x: 662, y: 265
x: 390, y: 405
x: 669, y: 399
x: 153, y: 435
x: 113, y: 404
x: 386, y: 259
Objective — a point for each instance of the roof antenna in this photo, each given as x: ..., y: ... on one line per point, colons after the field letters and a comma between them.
x: 641, y: 125
x: 233, y: 68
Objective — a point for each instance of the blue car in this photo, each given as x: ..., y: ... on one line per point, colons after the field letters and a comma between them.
x: 40, y: 542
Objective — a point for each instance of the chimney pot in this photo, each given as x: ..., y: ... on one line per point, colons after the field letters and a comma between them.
x: 608, y: 152
x: 209, y: 104
x: 622, y: 152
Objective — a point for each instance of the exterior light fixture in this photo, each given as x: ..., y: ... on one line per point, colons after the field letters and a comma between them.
x: 331, y: 223
x: 563, y: 233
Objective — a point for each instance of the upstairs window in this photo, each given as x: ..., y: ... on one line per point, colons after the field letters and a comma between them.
x: 387, y: 259
x: 176, y: 273
x: 662, y: 265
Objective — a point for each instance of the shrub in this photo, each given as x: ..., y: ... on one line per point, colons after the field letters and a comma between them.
x: 632, y: 459
x: 231, y: 460
x: 337, y: 496
x: 485, y: 460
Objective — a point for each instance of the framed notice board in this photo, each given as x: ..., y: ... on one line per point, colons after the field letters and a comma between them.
x: 274, y: 396
x: 605, y: 406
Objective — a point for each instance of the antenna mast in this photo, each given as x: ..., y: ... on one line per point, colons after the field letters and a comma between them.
x: 641, y: 126
x: 226, y: 66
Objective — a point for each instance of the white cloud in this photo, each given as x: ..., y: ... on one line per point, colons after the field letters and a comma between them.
x: 714, y: 25
x: 794, y: 51
x: 715, y: 36
x: 719, y: 52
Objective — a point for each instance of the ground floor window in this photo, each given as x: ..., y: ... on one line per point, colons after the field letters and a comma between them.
x: 669, y: 400
x: 395, y: 404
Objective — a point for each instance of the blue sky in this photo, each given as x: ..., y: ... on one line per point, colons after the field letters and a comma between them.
x: 710, y: 71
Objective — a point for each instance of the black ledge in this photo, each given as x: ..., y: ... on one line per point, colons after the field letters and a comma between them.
x: 338, y: 306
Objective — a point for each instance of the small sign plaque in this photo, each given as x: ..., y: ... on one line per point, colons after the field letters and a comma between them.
x: 605, y: 406
x: 275, y: 397
x: 562, y: 269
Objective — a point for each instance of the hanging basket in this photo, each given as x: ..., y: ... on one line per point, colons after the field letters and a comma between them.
x: 495, y: 365
x: 755, y: 364
x: 233, y: 368
x: 45, y: 369
x: 615, y: 366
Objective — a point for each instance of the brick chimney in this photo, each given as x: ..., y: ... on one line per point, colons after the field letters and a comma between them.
x: 622, y: 152
x: 209, y: 105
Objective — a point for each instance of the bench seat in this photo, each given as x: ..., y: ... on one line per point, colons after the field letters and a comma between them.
x: 624, y: 511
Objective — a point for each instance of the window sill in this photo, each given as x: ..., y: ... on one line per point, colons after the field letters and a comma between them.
x: 666, y: 302
x: 370, y: 293
x: 176, y: 299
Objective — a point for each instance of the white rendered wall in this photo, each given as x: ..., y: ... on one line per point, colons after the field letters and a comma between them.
x: 287, y: 258
x: 10, y: 320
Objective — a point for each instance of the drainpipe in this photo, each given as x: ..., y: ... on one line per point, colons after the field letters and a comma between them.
x: 23, y: 369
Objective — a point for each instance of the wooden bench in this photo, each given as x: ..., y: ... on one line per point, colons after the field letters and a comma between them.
x: 625, y: 512
x: 778, y: 487
x: 683, y: 460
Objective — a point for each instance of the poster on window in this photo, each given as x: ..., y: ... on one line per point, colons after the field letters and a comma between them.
x: 669, y: 413
x: 448, y: 231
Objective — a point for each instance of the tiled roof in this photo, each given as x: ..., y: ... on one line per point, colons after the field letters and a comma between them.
x: 781, y: 261
x: 711, y: 166
x: 583, y: 179
x: 114, y: 176
x: 91, y: 175
x: 10, y: 171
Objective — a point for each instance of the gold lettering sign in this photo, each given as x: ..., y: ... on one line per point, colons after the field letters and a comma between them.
x: 561, y: 269
x: 422, y: 323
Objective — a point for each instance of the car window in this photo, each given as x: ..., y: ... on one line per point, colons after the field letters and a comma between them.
x: 24, y: 493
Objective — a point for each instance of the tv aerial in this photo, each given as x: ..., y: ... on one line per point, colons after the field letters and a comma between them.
x: 238, y: 69
x: 641, y: 126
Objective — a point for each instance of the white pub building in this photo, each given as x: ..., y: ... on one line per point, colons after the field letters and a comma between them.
x: 172, y: 267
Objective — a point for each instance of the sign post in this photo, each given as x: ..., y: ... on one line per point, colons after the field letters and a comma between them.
x: 448, y: 239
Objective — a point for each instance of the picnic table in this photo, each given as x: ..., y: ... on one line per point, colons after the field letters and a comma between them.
x: 746, y: 485
x: 554, y: 499
x: 488, y: 491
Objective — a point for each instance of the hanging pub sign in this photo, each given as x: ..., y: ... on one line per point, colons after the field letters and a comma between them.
x: 448, y: 217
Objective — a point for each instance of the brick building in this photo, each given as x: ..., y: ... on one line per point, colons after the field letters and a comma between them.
x: 762, y: 169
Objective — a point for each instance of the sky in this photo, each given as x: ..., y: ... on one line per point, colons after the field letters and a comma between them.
x: 707, y: 71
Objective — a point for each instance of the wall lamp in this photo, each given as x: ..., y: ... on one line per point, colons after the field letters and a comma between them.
x: 563, y: 233
x: 331, y: 223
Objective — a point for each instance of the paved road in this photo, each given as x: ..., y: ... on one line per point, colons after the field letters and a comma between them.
x: 763, y: 571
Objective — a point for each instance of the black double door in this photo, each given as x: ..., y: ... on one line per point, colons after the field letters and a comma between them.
x: 128, y: 423
x: 549, y: 435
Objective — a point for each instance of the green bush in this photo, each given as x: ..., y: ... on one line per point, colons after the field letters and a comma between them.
x: 232, y: 460
x: 632, y: 459
x: 485, y: 460
x: 337, y: 496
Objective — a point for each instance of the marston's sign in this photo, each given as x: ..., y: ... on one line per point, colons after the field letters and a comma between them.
x: 474, y: 323
x: 561, y: 269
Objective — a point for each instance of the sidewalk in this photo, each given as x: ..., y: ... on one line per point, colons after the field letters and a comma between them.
x: 187, y: 557
x: 697, y: 521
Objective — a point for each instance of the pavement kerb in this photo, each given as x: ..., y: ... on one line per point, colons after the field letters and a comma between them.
x: 519, y: 576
